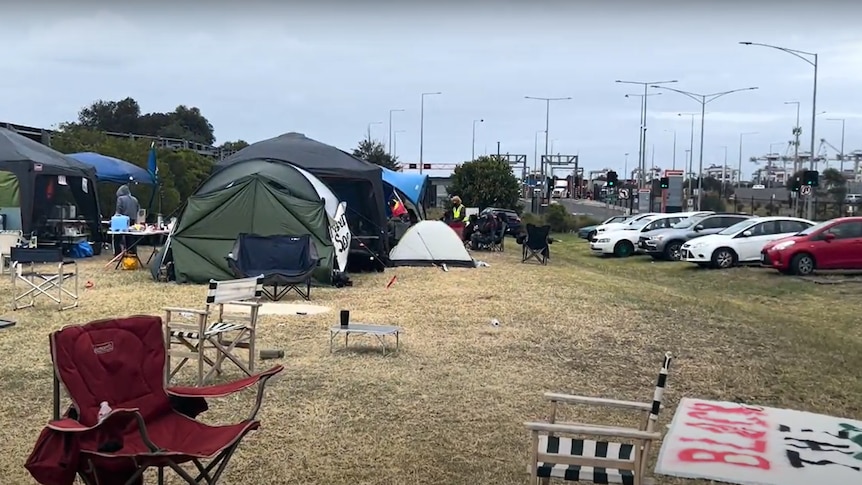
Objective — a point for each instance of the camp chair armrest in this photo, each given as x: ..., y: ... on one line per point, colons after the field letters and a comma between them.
x: 597, y: 401
x: 185, y: 310
x: 117, y: 419
x: 228, y: 388
x: 586, y: 429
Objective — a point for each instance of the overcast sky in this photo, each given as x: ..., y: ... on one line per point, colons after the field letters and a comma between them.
x: 258, y: 70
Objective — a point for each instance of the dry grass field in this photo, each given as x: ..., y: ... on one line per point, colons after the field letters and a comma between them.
x: 449, y: 407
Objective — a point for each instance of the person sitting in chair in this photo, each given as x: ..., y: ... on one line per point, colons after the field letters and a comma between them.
x: 470, y: 228
x: 485, y: 231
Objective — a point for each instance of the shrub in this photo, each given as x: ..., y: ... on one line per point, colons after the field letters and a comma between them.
x: 560, y: 220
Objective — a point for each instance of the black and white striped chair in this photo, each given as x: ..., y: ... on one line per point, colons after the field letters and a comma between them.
x: 203, y: 332
x: 558, y: 452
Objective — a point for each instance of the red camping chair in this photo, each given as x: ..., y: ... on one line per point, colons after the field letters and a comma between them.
x: 121, y: 362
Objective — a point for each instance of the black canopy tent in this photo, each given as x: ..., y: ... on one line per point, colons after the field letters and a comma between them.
x: 38, y: 170
x: 354, y: 181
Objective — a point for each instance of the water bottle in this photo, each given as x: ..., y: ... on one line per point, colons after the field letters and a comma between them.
x: 104, y: 410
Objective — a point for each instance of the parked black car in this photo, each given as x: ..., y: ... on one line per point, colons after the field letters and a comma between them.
x: 513, y: 221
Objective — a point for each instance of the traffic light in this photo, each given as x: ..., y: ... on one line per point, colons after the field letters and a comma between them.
x: 795, y: 184
x: 811, y: 177
x: 664, y: 182
x: 612, y: 179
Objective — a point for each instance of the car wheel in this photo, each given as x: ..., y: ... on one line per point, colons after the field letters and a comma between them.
x: 591, y: 235
x: 673, y: 251
x: 723, y: 258
x: 802, y: 264
x: 623, y: 249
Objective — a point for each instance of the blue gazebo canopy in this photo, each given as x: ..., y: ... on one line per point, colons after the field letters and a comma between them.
x: 110, y: 169
x: 412, y: 185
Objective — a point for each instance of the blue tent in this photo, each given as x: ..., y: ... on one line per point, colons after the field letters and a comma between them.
x: 110, y: 169
x: 412, y: 185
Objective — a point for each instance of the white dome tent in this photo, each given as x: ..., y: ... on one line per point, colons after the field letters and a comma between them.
x: 430, y: 243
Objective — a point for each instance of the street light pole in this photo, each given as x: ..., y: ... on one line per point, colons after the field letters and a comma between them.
x: 536, y: 150
x: 642, y: 134
x: 547, y: 128
x: 703, y: 99
x: 842, y: 120
x: 395, y: 143
x: 797, y: 132
x: 642, y: 148
x: 389, y: 141
x: 422, y: 128
x: 739, y: 169
x: 673, y: 163
x: 369, y: 128
x: 626, y: 169
x: 810, y: 58
x: 473, y: 152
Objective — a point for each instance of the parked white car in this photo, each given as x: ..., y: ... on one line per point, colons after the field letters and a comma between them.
x: 622, y: 243
x: 741, y: 242
x: 615, y: 226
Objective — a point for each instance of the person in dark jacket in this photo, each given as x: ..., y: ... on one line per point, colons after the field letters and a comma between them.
x: 485, y: 231
x: 127, y: 205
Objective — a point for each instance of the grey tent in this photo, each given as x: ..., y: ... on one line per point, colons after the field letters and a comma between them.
x: 354, y: 181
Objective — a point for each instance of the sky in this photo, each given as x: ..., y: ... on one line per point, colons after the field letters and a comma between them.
x: 257, y: 69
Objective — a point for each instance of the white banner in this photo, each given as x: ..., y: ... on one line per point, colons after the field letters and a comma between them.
x: 339, y: 233
x: 752, y: 445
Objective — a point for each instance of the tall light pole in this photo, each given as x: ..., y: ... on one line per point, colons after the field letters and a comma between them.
x: 810, y: 58
x: 547, y: 127
x: 422, y: 128
x: 395, y: 143
x: 389, y: 142
x: 369, y: 128
x: 739, y: 168
x: 842, y: 120
x: 473, y: 152
x: 641, y: 134
x: 690, y: 150
x: 536, y: 150
x: 642, y: 150
x: 797, y: 132
x: 724, y: 173
x: 703, y: 99
x: 626, y: 169
x: 673, y: 166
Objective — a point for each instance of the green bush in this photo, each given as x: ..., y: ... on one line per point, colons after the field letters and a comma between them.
x: 560, y: 220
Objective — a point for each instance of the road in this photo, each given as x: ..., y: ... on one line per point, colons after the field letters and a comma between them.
x: 595, y: 209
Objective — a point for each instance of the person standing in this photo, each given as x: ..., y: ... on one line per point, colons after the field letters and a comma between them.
x: 459, y: 212
x: 127, y: 205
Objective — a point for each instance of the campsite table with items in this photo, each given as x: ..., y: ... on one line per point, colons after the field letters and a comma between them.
x: 134, y: 238
x: 380, y: 332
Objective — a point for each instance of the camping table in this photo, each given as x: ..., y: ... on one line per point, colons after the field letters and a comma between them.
x: 378, y: 331
x: 136, y: 238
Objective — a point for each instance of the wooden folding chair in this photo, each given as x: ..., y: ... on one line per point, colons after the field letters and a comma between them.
x: 558, y: 453
x: 211, y: 330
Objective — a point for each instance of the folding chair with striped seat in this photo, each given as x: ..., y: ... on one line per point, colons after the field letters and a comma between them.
x: 559, y: 453
x: 193, y: 341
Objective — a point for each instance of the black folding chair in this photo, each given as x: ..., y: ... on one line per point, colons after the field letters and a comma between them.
x: 497, y: 244
x: 30, y: 267
x: 286, y: 263
x: 536, y: 245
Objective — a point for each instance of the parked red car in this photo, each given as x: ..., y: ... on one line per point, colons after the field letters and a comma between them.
x: 835, y: 244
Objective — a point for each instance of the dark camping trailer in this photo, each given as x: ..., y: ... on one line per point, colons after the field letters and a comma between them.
x: 356, y: 182
x: 262, y: 197
x: 47, y: 194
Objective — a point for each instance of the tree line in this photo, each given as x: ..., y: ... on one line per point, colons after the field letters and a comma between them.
x: 480, y: 183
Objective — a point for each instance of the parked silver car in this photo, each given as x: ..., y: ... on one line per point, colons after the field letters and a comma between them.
x: 666, y: 243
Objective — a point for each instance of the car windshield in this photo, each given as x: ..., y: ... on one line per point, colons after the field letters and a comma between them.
x: 686, y: 223
x: 814, y: 228
x: 736, y: 227
x: 639, y: 224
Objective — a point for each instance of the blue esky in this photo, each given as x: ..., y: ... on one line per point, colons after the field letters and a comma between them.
x: 328, y: 69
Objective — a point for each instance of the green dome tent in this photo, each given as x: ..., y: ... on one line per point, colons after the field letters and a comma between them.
x: 265, y: 197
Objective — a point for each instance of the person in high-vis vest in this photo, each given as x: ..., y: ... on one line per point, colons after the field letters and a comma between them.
x: 459, y: 212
